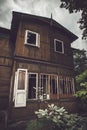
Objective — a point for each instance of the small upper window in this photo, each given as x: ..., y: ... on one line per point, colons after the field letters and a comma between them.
x: 58, y: 46
x: 32, y: 38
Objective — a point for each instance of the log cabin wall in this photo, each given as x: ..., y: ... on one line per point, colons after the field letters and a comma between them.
x: 5, y: 68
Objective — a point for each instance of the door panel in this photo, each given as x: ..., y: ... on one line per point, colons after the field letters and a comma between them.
x: 20, y: 88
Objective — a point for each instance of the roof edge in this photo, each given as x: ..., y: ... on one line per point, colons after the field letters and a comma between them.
x: 47, y: 20
x: 4, y: 30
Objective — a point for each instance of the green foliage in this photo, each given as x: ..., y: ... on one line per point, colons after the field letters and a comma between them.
x: 53, y: 113
x: 76, y: 6
x: 82, y: 93
x: 41, y: 124
x: 34, y: 125
x: 82, y: 77
x: 80, y: 61
x: 75, y: 122
x: 81, y: 86
x: 61, y: 119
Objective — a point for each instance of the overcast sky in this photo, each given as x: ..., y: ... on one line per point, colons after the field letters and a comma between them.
x: 42, y: 8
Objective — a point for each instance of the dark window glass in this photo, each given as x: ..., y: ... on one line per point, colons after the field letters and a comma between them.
x: 43, y: 86
x: 32, y: 86
x: 53, y: 84
x: 59, y: 46
x: 31, y: 38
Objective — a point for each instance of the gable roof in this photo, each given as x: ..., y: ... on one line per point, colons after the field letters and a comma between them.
x: 18, y: 16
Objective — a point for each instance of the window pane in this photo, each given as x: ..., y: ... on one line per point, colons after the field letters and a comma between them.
x: 53, y: 84
x: 43, y: 89
x: 31, y: 38
x: 21, y: 80
x: 48, y: 86
x: 32, y: 86
x: 58, y: 46
x: 70, y: 86
x: 65, y: 85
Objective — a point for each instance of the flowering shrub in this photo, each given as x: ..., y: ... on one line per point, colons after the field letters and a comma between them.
x: 61, y: 119
x: 53, y: 113
x: 40, y: 124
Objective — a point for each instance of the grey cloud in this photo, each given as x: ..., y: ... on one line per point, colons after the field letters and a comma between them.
x: 2, y: 2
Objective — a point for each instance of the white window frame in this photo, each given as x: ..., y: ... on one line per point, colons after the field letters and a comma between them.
x: 36, y: 86
x: 55, y: 46
x: 37, y: 38
x: 47, y: 93
x: 49, y: 87
x: 67, y: 86
x: 23, y: 93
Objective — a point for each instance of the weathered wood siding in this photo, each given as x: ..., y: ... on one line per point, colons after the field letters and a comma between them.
x: 43, y: 67
x: 63, y: 59
x: 42, y: 53
x: 5, y: 71
x: 46, y: 50
x: 32, y: 106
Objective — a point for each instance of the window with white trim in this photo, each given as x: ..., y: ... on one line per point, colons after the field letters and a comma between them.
x: 45, y: 86
x: 58, y: 46
x: 43, y: 92
x: 32, y: 38
x: 48, y: 86
x: 32, y: 90
x: 66, y: 85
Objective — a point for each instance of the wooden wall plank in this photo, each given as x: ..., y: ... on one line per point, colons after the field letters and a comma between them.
x: 5, y: 73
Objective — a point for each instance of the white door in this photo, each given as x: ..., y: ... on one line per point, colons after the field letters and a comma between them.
x: 20, y: 88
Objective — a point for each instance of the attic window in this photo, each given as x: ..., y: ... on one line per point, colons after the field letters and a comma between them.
x: 58, y: 46
x: 32, y: 38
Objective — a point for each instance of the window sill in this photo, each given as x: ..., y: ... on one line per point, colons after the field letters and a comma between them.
x: 36, y: 46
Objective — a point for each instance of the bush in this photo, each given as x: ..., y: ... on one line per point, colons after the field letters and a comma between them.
x: 55, y: 118
x: 82, y: 93
x: 41, y: 124
x: 53, y: 113
x: 82, y: 96
x: 61, y: 119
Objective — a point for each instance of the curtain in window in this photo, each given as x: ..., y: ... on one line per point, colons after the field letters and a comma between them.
x: 66, y: 85
x: 44, y: 86
x: 53, y: 84
x: 21, y: 80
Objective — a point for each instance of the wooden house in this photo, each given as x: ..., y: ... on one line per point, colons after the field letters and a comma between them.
x: 36, y: 66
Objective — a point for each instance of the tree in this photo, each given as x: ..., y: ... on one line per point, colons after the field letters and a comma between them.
x: 77, y: 6
x: 80, y: 61
x: 81, y: 93
x: 81, y: 79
